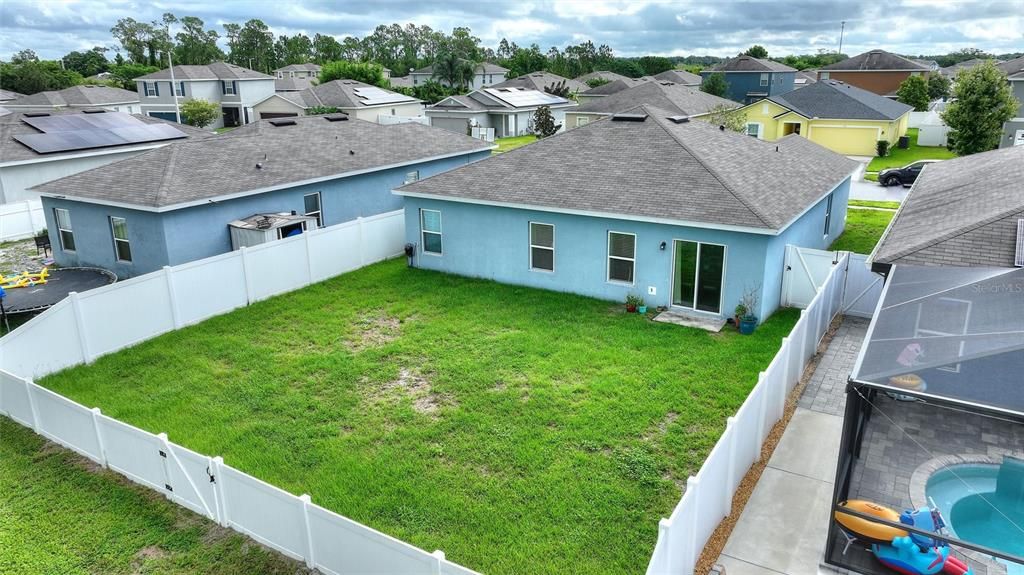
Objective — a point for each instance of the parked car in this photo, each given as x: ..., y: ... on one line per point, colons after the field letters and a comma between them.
x: 903, y: 176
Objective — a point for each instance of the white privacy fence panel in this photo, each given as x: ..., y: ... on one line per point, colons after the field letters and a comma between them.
x: 389, y: 120
x: 265, y: 513
x: 20, y: 220
x: 708, y: 496
x: 124, y: 314
x: 863, y: 288
x: 48, y: 343
x: 205, y: 288
x: 133, y: 452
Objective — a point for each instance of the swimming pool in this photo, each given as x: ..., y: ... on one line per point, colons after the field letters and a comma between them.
x: 967, y: 496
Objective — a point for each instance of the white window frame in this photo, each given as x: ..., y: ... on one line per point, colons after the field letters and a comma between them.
x: 179, y: 89
x: 828, y: 213
x: 760, y: 129
x: 529, y: 232
x: 125, y: 240
x: 824, y: 75
x: 610, y: 257
x: 412, y: 177
x: 60, y: 230
x: 582, y: 121
x: 228, y: 87
x: 439, y: 233
x: 765, y: 78
x: 319, y: 212
x: 146, y: 89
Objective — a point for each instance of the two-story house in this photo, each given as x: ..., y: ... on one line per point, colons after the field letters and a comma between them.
x: 486, y: 74
x: 234, y: 88
x: 307, y: 71
x: 751, y: 79
x: 876, y: 71
x: 1013, y: 131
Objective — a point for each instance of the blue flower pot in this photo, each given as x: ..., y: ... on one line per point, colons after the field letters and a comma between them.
x: 641, y: 309
x: 748, y: 324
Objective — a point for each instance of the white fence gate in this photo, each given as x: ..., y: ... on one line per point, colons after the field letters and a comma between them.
x: 85, y: 326
x: 806, y: 270
x: 21, y: 220
x: 485, y: 134
x: 389, y: 120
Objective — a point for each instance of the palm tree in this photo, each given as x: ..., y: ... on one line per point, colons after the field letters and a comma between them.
x: 453, y: 70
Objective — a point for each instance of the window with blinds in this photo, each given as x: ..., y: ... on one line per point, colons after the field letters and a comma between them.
x: 621, y: 257
x: 542, y: 247
x: 430, y: 229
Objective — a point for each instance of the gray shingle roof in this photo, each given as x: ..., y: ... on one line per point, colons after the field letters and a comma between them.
x: 339, y: 94
x: 308, y: 67
x: 1013, y: 68
x: 674, y: 98
x: 540, y: 80
x: 9, y: 95
x: 751, y: 64
x: 605, y: 74
x: 214, y: 71
x: 84, y: 95
x: 616, y: 86
x: 839, y: 100
x: 312, y: 148
x: 679, y: 77
x: 949, y: 200
x: 12, y: 150
x: 292, y: 84
x: 878, y: 60
x: 657, y: 169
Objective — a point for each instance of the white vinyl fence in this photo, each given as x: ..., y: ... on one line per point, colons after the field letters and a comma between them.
x: 485, y: 134
x: 708, y: 496
x: 21, y: 220
x: 389, y: 120
x: 807, y: 269
x: 88, y: 325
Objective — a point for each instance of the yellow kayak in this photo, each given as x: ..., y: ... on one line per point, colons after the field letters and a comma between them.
x: 866, y: 530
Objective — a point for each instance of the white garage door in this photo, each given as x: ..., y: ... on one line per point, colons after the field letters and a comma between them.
x: 451, y: 124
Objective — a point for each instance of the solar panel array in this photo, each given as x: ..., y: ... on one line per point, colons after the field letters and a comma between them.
x: 372, y: 96
x: 523, y: 98
x: 69, y: 132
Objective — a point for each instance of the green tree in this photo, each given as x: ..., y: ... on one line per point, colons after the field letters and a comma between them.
x: 653, y: 65
x: 454, y: 70
x: 914, y: 92
x: 982, y: 102
x: 125, y: 74
x: 326, y: 49
x: 728, y: 116
x: 32, y: 76
x: 366, y: 72
x: 715, y: 84
x: 23, y: 56
x: 134, y: 37
x: 757, y: 51
x: 87, y: 63
x: 199, y: 113
x: 938, y: 86
x: 196, y: 45
x: 543, y: 122
x: 253, y: 46
x: 432, y: 92
x: 296, y: 49
x: 524, y: 60
x: 628, y: 68
x: 321, y: 110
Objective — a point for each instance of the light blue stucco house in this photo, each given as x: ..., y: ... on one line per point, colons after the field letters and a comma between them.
x: 174, y: 204
x: 683, y: 213
x: 751, y: 79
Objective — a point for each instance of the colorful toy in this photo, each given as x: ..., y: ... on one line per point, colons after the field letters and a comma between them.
x: 866, y: 530
x: 907, y: 557
x: 24, y: 279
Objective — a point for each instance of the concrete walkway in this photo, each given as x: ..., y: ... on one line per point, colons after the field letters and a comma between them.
x: 783, y: 527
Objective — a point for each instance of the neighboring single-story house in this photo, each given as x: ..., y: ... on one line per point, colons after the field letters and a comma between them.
x: 78, y: 98
x: 964, y: 212
x: 542, y: 82
x: 174, y: 204
x: 401, y: 81
x: 679, y: 77
x: 804, y: 77
x: 308, y: 71
x: 675, y: 98
x: 1013, y: 130
x: 8, y: 95
x: 22, y: 167
x: 352, y: 97
x: 682, y: 213
x: 602, y: 74
x: 508, y: 110
x: 841, y: 117
x: 613, y: 87
x: 485, y: 74
x: 876, y: 71
x: 751, y: 79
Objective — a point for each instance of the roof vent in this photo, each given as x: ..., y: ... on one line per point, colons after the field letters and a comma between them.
x: 679, y: 119
x: 629, y: 117
x: 35, y: 114
x: 721, y: 127
x: 282, y: 122
x: 336, y: 117
x: 1019, y: 259
x: 93, y: 111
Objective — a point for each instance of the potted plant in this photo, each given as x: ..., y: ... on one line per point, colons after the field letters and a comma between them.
x: 739, y: 312
x: 641, y: 306
x: 748, y: 301
x: 632, y: 301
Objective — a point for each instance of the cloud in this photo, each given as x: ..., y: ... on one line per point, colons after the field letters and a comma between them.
x: 630, y: 27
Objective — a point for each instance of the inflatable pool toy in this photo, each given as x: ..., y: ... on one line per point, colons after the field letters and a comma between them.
x: 867, y: 530
x: 907, y: 557
x: 24, y: 279
x: 928, y: 520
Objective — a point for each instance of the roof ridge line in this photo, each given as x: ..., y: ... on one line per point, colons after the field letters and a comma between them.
x: 711, y: 171
x: 164, y: 179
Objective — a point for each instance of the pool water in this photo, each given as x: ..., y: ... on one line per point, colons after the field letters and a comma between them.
x: 966, y: 495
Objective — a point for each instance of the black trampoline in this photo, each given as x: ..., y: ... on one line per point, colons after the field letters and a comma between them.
x: 59, y: 284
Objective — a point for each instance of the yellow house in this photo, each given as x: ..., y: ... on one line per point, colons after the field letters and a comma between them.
x: 838, y: 116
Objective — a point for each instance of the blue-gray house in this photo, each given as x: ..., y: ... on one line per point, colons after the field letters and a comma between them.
x: 683, y: 213
x: 751, y: 79
x: 174, y: 204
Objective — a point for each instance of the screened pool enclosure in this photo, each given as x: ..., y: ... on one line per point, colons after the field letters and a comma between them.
x: 930, y: 477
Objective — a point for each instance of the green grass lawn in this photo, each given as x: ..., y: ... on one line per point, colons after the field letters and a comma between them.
x: 871, y: 177
x: 898, y: 157
x: 59, y: 514
x: 863, y: 230
x: 224, y: 129
x: 875, y: 204
x: 519, y: 430
x: 507, y: 144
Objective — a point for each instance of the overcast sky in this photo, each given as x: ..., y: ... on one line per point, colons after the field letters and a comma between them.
x: 631, y: 28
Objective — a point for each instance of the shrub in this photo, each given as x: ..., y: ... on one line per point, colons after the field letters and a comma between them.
x: 199, y: 113
x: 882, y: 148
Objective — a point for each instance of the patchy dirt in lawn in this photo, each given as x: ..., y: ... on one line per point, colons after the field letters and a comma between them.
x: 413, y: 385
x: 19, y: 256
x: 374, y: 331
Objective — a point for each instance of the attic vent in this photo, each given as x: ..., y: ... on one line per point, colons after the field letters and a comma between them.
x: 629, y: 117
x: 336, y: 117
x: 35, y: 114
x: 1019, y: 259
x: 93, y: 111
x: 282, y: 122
x: 679, y: 119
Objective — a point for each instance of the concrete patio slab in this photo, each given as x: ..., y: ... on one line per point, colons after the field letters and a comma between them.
x: 709, y: 323
x: 809, y: 445
x: 734, y: 566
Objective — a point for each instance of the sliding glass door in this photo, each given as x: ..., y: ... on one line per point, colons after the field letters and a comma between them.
x: 698, y: 272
